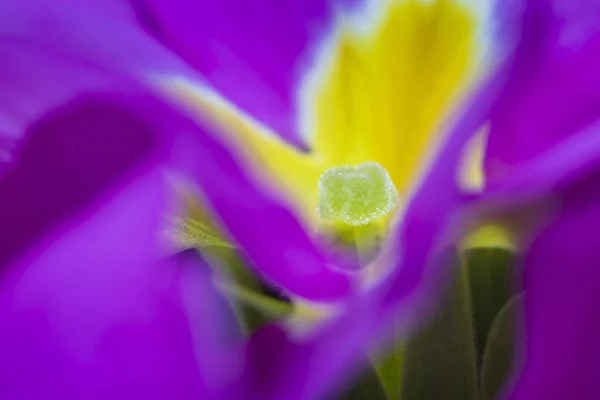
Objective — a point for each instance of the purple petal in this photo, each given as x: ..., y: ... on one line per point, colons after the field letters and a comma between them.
x: 283, y: 367
x: 27, y: 94
x: 555, y: 87
x: 562, y: 352
x: 558, y: 168
x: 253, y: 52
x: 88, y: 307
x: 104, y: 34
x: 78, y: 151
x: 50, y: 54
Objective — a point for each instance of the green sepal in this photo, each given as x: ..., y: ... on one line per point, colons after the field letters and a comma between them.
x: 365, y: 386
x: 499, y: 355
x: 389, y: 366
x: 439, y: 360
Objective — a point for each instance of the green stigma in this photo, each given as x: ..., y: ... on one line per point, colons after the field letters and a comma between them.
x: 356, y: 195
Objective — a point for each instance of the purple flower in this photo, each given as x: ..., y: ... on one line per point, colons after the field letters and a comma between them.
x: 100, y: 114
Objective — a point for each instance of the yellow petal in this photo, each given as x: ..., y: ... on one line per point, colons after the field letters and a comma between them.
x: 385, y: 93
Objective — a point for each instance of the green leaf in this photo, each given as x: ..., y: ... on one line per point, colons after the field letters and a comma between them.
x: 500, y: 350
x: 439, y: 361
x: 366, y: 386
x: 490, y: 274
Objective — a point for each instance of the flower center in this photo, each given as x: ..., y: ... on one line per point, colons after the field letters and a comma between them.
x: 356, y: 195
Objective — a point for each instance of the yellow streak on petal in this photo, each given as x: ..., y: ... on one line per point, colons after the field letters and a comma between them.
x: 268, y: 156
x: 471, y: 177
x: 386, y: 94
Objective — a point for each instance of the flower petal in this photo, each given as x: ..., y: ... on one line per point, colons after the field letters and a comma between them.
x: 561, y: 306
x: 560, y: 166
x: 27, y: 94
x: 108, y: 34
x: 253, y: 52
x: 286, y: 367
x: 88, y: 307
x: 555, y: 89
x: 50, y: 53
x: 66, y: 165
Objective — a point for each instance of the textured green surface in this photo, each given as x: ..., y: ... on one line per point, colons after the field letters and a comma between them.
x: 356, y: 195
x: 190, y: 233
